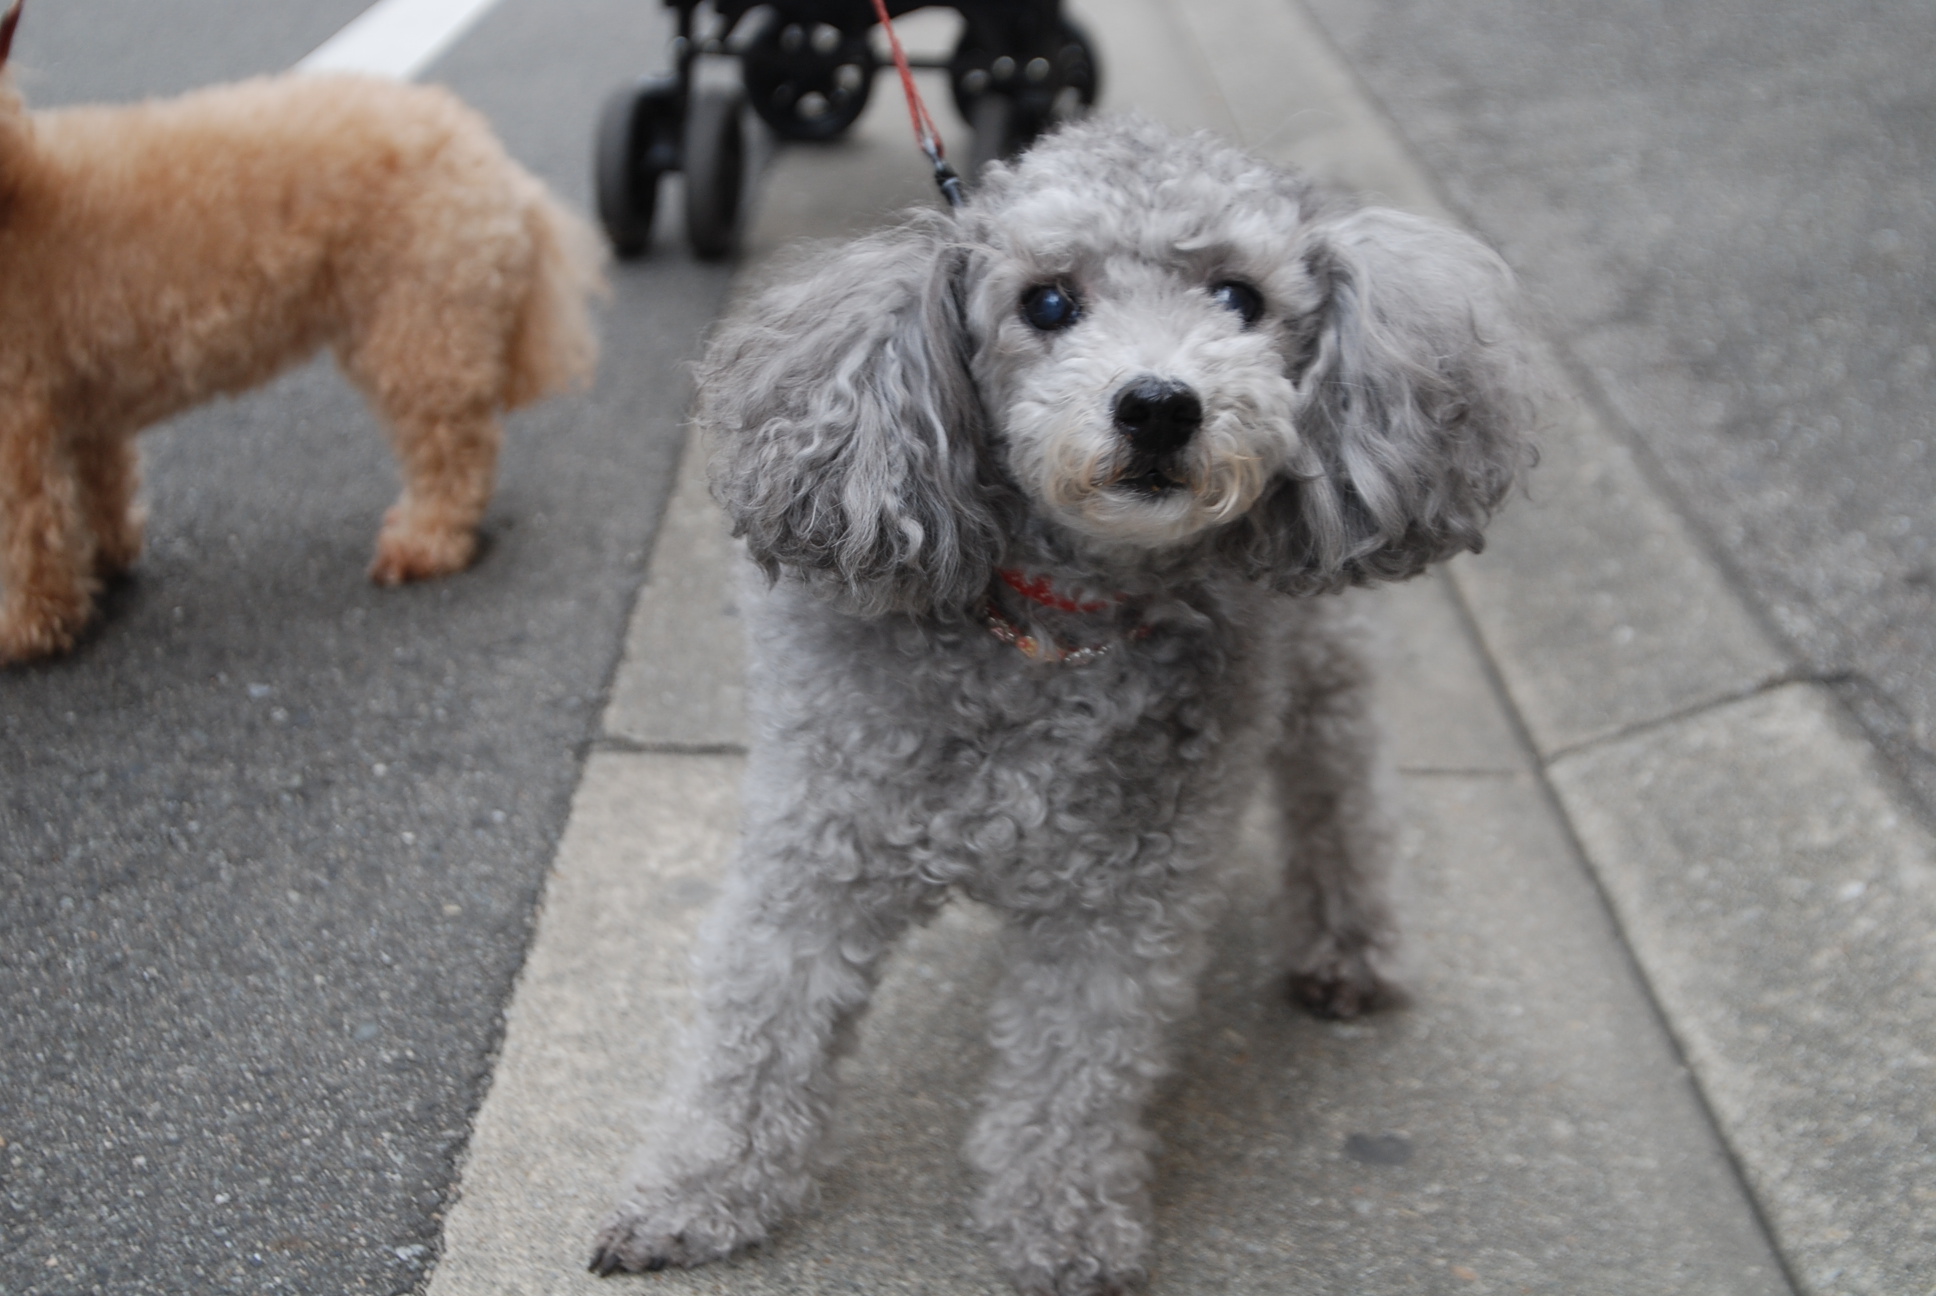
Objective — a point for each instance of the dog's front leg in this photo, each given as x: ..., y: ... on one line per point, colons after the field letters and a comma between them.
x: 1080, y: 1029
x: 108, y: 471
x: 1333, y: 786
x: 786, y: 961
x: 46, y: 588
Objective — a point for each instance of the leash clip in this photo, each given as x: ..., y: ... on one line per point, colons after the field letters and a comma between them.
x: 946, y: 178
x: 948, y: 181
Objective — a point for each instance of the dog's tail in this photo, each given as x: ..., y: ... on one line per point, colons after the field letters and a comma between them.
x: 555, y: 347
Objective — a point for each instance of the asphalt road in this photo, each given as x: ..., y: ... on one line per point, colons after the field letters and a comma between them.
x: 1729, y: 210
x: 270, y: 841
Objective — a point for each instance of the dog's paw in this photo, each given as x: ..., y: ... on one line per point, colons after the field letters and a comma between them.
x: 638, y: 1239
x: 1343, y: 986
x: 1050, y: 1245
x: 1085, y: 1277
x: 28, y: 631
x: 117, y: 543
x: 623, y: 1248
x: 410, y: 553
x: 28, y: 643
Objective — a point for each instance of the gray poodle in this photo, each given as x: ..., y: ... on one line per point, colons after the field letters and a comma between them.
x: 1047, y: 493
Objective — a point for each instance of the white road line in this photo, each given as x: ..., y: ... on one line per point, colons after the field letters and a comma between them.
x: 396, y: 38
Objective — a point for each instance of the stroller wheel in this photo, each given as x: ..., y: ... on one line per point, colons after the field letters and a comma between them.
x: 637, y: 143
x: 1077, y: 65
x: 1058, y: 77
x: 807, y: 80
x: 715, y: 162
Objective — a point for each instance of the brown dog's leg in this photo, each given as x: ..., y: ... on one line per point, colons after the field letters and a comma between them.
x: 45, y: 588
x: 448, y: 464
x: 432, y: 361
x: 108, y: 471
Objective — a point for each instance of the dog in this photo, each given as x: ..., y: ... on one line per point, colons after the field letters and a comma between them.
x: 158, y: 255
x: 1047, y: 497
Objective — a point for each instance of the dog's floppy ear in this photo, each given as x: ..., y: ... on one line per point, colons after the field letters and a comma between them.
x: 1418, y: 410
x: 846, y: 429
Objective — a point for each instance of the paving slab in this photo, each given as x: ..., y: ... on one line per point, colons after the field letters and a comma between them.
x: 1784, y: 905
x: 681, y: 683
x: 1289, y: 97
x: 1440, y: 718
x: 1599, y: 606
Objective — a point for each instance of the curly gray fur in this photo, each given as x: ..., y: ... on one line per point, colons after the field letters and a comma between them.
x: 906, y: 455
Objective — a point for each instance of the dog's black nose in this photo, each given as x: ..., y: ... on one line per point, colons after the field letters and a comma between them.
x: 1158, y: 416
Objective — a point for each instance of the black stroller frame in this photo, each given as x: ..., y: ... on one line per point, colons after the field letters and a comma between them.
x: 806, y: 68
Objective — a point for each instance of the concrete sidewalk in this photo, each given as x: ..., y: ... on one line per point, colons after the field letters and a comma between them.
x: 1670, y: 934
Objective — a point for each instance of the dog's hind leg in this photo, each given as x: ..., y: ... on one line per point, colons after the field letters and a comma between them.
x: 1331, y: 782
x: 46, y: 589
x: 428, y: 348
x: 1079, y: 1026
x: 449, y: 462
x: 108, y: 472
x: 786, y: 962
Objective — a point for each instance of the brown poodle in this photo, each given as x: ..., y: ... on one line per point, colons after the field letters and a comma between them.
x: 154, y: 256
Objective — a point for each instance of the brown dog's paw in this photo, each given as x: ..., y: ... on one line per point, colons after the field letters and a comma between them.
x: 27, y: 644
x: 410, y: 554
x: 29, y: 631
x: 117, y: 547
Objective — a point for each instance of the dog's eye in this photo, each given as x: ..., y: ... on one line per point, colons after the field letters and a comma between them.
x: 1239, y: 297
x: 1050, y: 307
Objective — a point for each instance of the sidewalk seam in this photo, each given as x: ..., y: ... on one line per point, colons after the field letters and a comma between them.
x: 620, y: 745
x: 1449, y: 771
x: 1495, y: 677
x: 1667, y: 719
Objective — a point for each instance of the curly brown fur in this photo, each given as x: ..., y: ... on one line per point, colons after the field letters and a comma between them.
x: 155, y: 256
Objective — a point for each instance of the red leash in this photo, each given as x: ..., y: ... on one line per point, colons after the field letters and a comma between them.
x: 925, y: 134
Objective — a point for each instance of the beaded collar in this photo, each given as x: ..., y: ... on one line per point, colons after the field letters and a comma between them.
x: 1043, y: 648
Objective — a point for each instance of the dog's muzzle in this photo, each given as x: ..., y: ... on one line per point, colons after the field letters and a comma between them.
x: 1158, y: 418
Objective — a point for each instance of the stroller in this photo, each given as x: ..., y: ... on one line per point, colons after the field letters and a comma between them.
x: 806, y: 67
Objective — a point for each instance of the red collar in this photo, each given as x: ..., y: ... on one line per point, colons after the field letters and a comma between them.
x: 1041, y: 589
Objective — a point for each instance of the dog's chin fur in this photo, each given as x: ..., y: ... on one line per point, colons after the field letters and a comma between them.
x: 894, y: 440
x: 1084, y: 477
